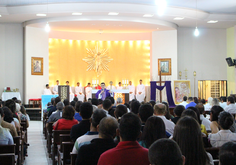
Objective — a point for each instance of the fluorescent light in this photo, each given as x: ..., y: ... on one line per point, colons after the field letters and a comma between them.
x: 41, y: 15
x: 161, y: 6
x: 76, y: 13
x: 212, y: 21
x: 0, y: 15
x: 47, y: 28
x: 178, y: 18
x: 113, y: 13
x: 196, y: 32
x: 147, y: 15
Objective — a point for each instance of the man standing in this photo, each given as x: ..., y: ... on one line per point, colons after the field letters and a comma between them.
x: 131, y: 91
x: 79, y: 92
x: 119, y: 86
x: 71, y: 93
x: 111, y: 88
x: 102, y: 93
x: 88, y: 92
x: 140, y: 92
x: 47, y: 90
x: 55, y: 88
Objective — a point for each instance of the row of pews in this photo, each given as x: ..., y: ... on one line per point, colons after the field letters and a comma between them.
x: 15, y: 154
x: 59, y: 144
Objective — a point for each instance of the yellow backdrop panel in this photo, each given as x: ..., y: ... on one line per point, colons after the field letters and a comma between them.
x: 131, y: 61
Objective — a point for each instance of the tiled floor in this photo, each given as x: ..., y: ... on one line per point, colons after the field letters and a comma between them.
x: 37, y: 154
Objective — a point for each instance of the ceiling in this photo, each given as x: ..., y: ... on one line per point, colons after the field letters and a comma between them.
x: 130, y: 18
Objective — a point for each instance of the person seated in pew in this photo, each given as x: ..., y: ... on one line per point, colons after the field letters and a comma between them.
x: 8, y: 117
x: 72, y: 103
x: 215, y: 111
x: 12, y: 106
x: 144, y: 112
x: 5, y: 136
x: 204, y: 120
x: 23, y: 111
x: 7, y: 125
x: 120, y: 111
x: 67, y: 120
x: 227, y: 154
x: 57, y: 114
x: 77, y: 107
x: 225, y: 121
x: 97, y: 116
x: 100, y: 102
x: 90, y: 153
x: 165, y: 152
x: 54, y: 108
x: 177, y: 112
x: 21, y: 115
x: 113, y: 106
x: 85, y: 110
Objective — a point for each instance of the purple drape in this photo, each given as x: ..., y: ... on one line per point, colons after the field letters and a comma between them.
x: 168, y: 92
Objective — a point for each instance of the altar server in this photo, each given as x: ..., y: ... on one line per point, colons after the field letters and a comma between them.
x: 88, y: 92
x: 111, y: 88
x: 79, y: 92
x: 55, y: 88
x: 47, y: 90
x: 103, y: 93
x: 131, y: 91
x: 72, y: 96
x: 119, y: 86
x: 140, y: 95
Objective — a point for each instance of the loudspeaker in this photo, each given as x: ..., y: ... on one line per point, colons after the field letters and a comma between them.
x: 230, y: 62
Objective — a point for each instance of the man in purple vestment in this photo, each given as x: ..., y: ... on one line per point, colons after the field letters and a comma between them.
x: 102, y: 93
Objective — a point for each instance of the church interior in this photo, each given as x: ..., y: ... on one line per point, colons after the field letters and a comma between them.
x: 176, y: 47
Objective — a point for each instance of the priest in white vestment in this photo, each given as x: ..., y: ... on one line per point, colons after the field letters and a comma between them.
x: 111, y: 88
x: 140, y: 95
x: 88, y: 92
x: 72, y: 96
x: 131, y: 91
x: 47, y: 90
x: 55, y: 88
x: 119, y: 87
x: 79, y: 92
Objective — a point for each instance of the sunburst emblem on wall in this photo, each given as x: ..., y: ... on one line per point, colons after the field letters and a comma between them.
x: 97, y: 60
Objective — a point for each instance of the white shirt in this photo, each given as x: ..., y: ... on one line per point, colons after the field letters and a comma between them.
x: 47, y: 92
x: 119, y: 87
x: 231, y: 108
x: 88, y: 90
x: 141, y: 88
x: 111, y: 87
x: 55, y: 89
x: 78, y: 90
x: 169, y: 125
x: 221, y: 137
x: 205, y: 122
x: 223, y: 105
x: 131, y: 89
x: 184, y: 103
x: 207, y: 107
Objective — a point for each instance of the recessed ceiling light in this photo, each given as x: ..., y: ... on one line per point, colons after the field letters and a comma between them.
x: 76, y: 13
x: 147, y: 15
x: 0, y: 15
x: 93, y: 24
x: 157, y: 28
x: 178, y: 18
x: 41, y: 15
x: 120, y: 25
x: 113, y: 13
x: 212, y: 21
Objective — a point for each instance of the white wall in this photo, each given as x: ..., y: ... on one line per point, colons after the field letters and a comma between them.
x: 204, y: 54
x: 11, y: 57
x: 36, y: 45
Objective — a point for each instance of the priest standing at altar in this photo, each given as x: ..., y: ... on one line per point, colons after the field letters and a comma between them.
x: 140, y: 95
x: 88, y: 92
x: 79, y: 92
x: 55, y: 88
x: 111, y: 88
x: 131, y: 91
x: 103, y: 93
x: 72, y: 96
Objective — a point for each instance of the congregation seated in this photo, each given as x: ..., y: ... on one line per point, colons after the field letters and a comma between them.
x: 165, y: 152
x: 119, y: 101
x: 231, y: 106
x: 113, y: 107
x: 120, y: 111
x: 188, y: 136
x: 80, y: 129
x: 12, y: 106
x: 8, y: 125
x: 223, y: 102
x: 77, y: 114
x: 128, y: 151
x: 154, y: 129
x: 66, y: 102
x: 72, y: 103
x: 145, y: 111
x: 97, y: 116
x: 227, y: 154
x: 50, y: 105
x: 100, y: 101
x: 94, y: 102
x: 5, y: 135
x: 54, y: 107
x: 67, y: 120
x: 208, y: 105
x: 225, y: 121
x: 204, y: 120
x: 184, y: 102
x: 56, y: 115
x: 90, y: 153
x: 8, y: 117
x: 160, y: 111
x: 106, y: 106
x: 177, y: 113
x: 215, y: 111
x: 167, y: 115
x: 135, y: 106
x: 22, y: 116
x: 191, y: 103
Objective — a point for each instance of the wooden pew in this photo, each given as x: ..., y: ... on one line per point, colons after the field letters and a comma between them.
x: 49, y: 138
x: 73, y: 158
x: 18, y: 149
x: 8, y: 149
x: 60, y: 151
x: 65, y: 154
x: 214, y: 151
x: 56, y: 141
x: 7, y: 159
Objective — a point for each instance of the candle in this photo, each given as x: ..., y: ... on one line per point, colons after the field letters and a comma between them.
x: 122, y: 81
x: 98, y: 81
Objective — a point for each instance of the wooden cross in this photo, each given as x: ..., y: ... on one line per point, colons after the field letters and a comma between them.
x: 160, y: 85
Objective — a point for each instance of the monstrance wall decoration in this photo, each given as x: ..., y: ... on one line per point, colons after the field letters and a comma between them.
x: 97, y: 60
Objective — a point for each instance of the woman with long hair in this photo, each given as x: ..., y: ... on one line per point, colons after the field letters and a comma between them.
x: 187, y: 134
x: 215, y: 111
x: 154, y: 129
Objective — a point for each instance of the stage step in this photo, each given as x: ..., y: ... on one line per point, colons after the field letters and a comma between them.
x: 34, y: 113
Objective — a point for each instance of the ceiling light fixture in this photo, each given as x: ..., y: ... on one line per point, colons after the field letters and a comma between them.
x: 41, y: 15
x: 178, y: 18
x: 0, y: 15
x: 113, y: 13
x: 196, y: 31
x: 161, y: 6
x: 147, y: 15
x: 212, y: 21
x: 76, y: 13
x: 47, y: 27
x: 157, y: 28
